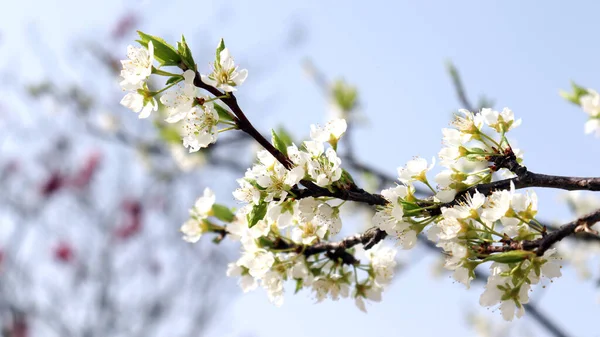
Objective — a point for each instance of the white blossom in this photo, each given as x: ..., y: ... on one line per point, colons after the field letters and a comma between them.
x: 383, y: 261
x: 138, y: 67
x: 590, y: 103
x: 193, y: 229
x: 415, y: 169
x: 225, y: 73
x: 199, y: 128
x: 179, y: 102
x: 258, y: 261
x: 246, y: 282
x: 309, y: 232
x: 247, y: 192
x: 325, y: 170
x: 138, y: 103
x: 331, y: 132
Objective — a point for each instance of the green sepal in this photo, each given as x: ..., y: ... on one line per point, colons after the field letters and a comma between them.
x: 224, y: 115
x: 164, y: 53
x: 278, y: 143
x: 258, y: 213
x: 223, y: 213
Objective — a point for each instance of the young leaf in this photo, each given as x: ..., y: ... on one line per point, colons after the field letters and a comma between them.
x: 164, y: 53
x: 513, y: 256
x: 220, y: 48
x: 174, y: 79
x: 278, y: 143
x: 169, y: 134
x: 299, y: 285
x: 284, y: 136
x: 258, y: 213
x: 223, y: 213
x: 576, y: 95
x: 186, y: 54
x: 223, y: 114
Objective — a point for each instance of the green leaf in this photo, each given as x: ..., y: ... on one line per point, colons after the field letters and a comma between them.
x: 174, y: 79
x: 258, y: 213
x: 164, y: 53
x: 220, y: 48
x: 576, y: 95
x: 169, y: 134
x: 345, y: 95
x: 224, y: 115
x: 186, y: 54
x: 299, y: 284
x: 285, y: 136
x: 278, y: 143
x: 223, y: 213
x: 513, y: 256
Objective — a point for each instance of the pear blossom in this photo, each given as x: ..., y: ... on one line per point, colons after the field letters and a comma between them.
x: 138, y: 67
x: 329, y: 217
x: 257, y: 260
x: 246, y: 282
x: 550, y: 268
x: 225, y: 75
x: 332, y: 286
x: 593, y: 126
x: 500, y: 121
x: 139, y: 103
x: 500, y: 289
x: 415, y: 170
x: 331, y: 132
x: 247, y: 192
x: 325, y: 170
x: 203, y: 206
x: 179, y: 102
x: 590, y: 103
x: 372, y: 293
x: 468, y: 123
x: 307, y: 233
x: 277, y: 180
x: 273, y: 284
x: 193, y: 229
x: 467, y: 208
x: 391, y: 217
x: 281, y: 213
x: 199, y: 128
x: 383, y: 261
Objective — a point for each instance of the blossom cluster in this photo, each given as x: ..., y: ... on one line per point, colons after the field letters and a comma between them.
x: 275, y: 226
x: 281, y: 227
x: 471, y: 229
x: 195, y: 115
x: 469, y: 148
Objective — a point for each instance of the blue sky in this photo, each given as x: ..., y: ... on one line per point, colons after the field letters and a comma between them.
x: 518, y: 53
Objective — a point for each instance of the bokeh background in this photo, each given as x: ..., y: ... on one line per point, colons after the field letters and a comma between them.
x: 91, y: 198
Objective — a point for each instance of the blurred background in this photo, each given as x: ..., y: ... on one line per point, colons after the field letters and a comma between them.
x: 91, y: 198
